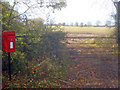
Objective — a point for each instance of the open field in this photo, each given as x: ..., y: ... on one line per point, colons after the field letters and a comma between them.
x: 91, y: 30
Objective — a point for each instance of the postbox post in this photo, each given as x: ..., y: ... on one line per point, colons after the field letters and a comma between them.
x: 8, y: 43
x: 9, y: 65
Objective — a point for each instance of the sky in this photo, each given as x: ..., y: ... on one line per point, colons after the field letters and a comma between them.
x: 85, y: 11
x: 76, y: 11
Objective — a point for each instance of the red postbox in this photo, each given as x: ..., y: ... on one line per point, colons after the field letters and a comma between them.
x: 8, y: 41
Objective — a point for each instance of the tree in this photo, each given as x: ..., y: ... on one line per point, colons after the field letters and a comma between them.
x: 31, y: 29
x: 76, y: 24
x: 81, y: 24
x: 7, y: 14
x: 114, y: 15
x: 59, y: 24
x: 72, y: 24
x: 11, y: 24
x: 85, y: 25
x: 89, y: 23
x: 98, y: 23
x: 30, y: 5
x: 108, y: 23
x: 63, y: 24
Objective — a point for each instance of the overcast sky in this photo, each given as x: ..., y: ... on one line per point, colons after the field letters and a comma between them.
x: 85, y: 11
x: 76, y: 11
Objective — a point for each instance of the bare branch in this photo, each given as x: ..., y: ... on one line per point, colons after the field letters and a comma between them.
x: 25, y: 10
x: 115, y: 3
x: 11, y: 13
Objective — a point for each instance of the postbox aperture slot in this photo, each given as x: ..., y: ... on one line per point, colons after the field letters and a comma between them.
x: 11, y: 45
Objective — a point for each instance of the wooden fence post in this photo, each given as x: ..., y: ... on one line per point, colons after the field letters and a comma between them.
x: 118, y: 22
x: 118, y: 40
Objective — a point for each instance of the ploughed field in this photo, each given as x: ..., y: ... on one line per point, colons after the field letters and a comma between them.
x: 93, y: 61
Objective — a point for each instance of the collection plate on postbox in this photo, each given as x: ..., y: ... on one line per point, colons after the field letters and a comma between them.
x: 8, y: 41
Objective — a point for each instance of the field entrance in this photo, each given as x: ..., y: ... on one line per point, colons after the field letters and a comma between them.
x: 94, y: 58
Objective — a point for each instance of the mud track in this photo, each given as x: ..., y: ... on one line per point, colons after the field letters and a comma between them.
x: 90, y: 66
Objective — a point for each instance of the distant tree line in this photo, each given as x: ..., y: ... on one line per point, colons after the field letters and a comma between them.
x: 108, y: 23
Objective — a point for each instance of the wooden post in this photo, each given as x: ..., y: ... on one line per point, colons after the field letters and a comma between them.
x: 118, y: 35
x: 118, y: 23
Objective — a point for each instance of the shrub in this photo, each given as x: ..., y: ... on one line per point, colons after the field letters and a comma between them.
x: 34, y: 46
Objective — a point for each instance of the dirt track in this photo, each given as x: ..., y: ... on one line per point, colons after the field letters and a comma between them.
x: 90, y: 66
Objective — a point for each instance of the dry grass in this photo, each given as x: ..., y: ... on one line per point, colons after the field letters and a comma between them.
x: 92, y: 30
